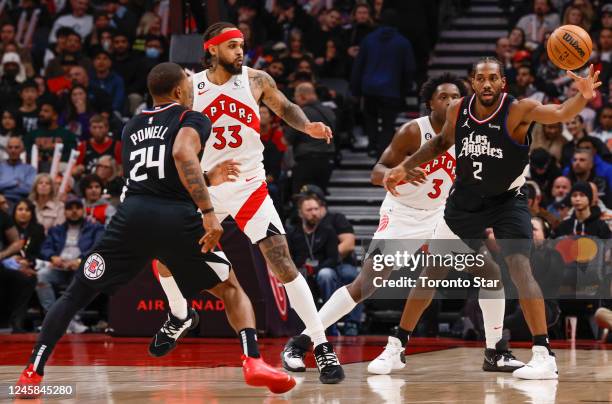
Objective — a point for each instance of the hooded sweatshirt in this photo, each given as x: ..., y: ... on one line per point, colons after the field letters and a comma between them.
x: 592, y: 226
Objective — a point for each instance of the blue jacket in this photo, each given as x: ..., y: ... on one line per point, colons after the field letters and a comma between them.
x: 384, y: 66
x: 600, y: 167
x: 114, y: 86
x: 56, y: 239
x: 16, y: 180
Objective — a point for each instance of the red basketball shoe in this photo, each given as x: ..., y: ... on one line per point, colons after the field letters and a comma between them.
x: 28, y: 377
x: 258, y: 373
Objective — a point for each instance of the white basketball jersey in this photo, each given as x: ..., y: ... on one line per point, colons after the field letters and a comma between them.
x: 440, y: 176
x: 234, y: 114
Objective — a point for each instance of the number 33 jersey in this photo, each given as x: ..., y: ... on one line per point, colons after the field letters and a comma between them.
x: 234, y: 114
x: 148, y: 138
x: 440, y: 176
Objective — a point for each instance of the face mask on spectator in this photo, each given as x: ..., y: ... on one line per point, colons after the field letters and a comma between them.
x: 152, y: 53
x: 106, y: 45
x: 10, y: 73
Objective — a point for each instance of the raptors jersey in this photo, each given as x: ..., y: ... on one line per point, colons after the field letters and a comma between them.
x: 234, y: 114
x: 440, y: 176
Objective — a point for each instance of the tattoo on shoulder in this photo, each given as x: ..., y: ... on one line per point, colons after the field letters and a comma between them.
x: 261, y: 80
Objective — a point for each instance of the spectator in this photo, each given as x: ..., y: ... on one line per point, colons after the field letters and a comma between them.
x: 154, y: 49
x: 129, y: 65
x: 59, y: 85
x: 328, y: 28
x: 549, y: 137
x: 59, y: 47
x: 16, y: 177
x: 49, y: 210
x: 28, y: 93
x: 543, y: 171
x: 296, y: 51
x: 333, y: 64
x: 584, y: 169
x: 96, y: 208
x: 605, y: 45
x: 576, y: 129
x: 99, y: 99
x: 313, y: 158
x: 517, y: 40
x: 597, y: 204
x: 10, y: 125
x: 574, y: 16
x: 65, y: 246
x: 31, y: 233
x: 123, y: 16
x: 534, y: 202
x: 560, y: 188
x: 78, y: 20
x: 276, y: 69
x: 72, y: 51
x: 77, y: 113
x: 541, y: 20
x: 504, y: 53
x: 8, y: 40
x: 361, y: 25
x: 587, y: 113
x: 108, y: 172
x: 524, y: 88
x: 583, y: 221
x: 107, y: 80
x: 49, y: 133
x: 17, y: 281
x: 314, y: 249
x: 13, y: 74
x: 603, y: 132
x: 100, y: 144
x: 4, y: 205
x: 382, y: 74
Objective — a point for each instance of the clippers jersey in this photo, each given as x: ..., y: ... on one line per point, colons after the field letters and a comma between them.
x: 440, y: 177
x: 489, y: 162
x: 148, y: 138
x: 234, y: 114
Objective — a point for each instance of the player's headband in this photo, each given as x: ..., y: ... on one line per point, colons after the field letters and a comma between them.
x: 226, y: 36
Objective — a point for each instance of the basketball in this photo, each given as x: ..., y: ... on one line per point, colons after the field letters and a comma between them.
x: 569, y: 47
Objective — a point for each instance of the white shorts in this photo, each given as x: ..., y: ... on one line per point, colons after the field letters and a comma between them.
x: 401, y: 222
x: 250, y: 205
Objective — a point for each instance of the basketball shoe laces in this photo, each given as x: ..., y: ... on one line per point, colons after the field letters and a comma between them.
x: 170, y: 328
x: 327, y: 359
x: 507, y: 355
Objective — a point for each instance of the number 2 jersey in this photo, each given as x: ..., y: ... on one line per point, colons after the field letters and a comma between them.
x: 148, y: 138
x: 234, y: 114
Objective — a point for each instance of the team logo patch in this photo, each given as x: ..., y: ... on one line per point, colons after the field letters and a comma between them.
x: 94, y: 266
x: 428, y: 136
x: 201, y: 85
x: 384, y: 222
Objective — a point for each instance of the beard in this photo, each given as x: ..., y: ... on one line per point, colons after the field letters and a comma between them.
x: 230, y: 67
x: 75, y: 222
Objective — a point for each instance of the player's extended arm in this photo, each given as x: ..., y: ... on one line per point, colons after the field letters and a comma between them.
x: 291, y: 113
x: 406, y: 141
x: 427, y: 152
x: 553, y: 113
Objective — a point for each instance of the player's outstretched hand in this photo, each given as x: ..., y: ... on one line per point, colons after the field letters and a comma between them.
x: 586, y: 85
x: 398, y: 174
x: 213, y: 232
x: 225, y: 171
x: 318, y: 130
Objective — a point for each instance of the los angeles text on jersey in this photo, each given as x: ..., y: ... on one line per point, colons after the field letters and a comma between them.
x: 151, y: 132
x: 476, y: 145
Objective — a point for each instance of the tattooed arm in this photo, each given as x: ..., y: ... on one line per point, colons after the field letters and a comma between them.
x: 185, y: 153
x: 291, y: 113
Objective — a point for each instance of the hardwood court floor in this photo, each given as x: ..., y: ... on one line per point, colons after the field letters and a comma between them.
x: 118, y: 370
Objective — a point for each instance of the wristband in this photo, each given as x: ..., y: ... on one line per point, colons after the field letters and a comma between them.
x: 206, y: 180
x: 209, y: 210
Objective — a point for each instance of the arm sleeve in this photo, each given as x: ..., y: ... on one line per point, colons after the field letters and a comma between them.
x: 199, y: 122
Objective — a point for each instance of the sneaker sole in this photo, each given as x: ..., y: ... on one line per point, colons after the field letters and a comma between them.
x: 335, y: 379
x: 372, y: 371
x: 550, y: 376
x: 196, y: 321
x: 487, y: 367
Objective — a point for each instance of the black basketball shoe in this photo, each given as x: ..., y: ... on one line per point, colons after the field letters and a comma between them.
x: 174, y: 328
x: 294, y: 352
x: 500, y: 359
x: 330, y: 371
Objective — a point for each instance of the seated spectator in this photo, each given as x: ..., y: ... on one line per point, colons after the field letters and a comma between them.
x: 583, y: 221
x: 534, y: 199
x: 597, y: 205
x: 329, y: 27
x: 276, y: 69
x: 296, y: 51
x: 605, y: 44
x: 574, y: 16
x: 576, y: 129
x: 129, y: 65
x: 313, y: 157
x: 48, y: 134
x: 28, y: 110
x: 49, y: 209
x: 586, y: 167
x: 100, y: 144
x: 17, y: 281
x: 333, y: 64
x: 524, y: 88
x: 603, y: 131
x: 65, y: 246
x: 104, y: 78
x: 543, y: 171
x: 534, y: 25
x: 71, y: 51
x: 31, y: 233
x: 59, y: 85
x: 504, y: 53
x: 4, y: 205
x: 360, y: 26
x: 100, y: 100
x: 13, y: 74
x: 8, y: 40
x: 10, y: 125
x: 96, y: 208
x: 108, y: 171
x: 550, y: 138
x: 559, y: 191
x: 77, y: 113
x: 16, y: 177
x: 79, y: 20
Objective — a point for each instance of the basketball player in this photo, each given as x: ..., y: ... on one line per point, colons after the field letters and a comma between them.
x: 413, y: 215
x: 158, y: 219
x: 229, y: 94
x: 491, y: 129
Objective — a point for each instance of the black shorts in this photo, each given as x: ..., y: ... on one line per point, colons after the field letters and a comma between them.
x: 468, y: 215
x: 146, y: 228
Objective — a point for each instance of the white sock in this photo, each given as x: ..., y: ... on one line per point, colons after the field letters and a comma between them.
x: 302, y: 302
x: 493, y: 305
x: 176, y: 301
x: 340, y: 303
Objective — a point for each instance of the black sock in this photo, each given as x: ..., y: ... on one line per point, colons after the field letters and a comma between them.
x: 403, y: 335
x: 248, y: 339
x: 39, y: 357
x: 542, y: 340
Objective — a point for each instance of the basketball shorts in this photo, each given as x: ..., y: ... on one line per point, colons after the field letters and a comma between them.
x: 250, y: 205
x: 468, y: 215
x: 146, y: 228
x: 401, y: 222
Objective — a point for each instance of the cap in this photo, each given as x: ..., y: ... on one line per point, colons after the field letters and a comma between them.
x: 73, y: 200
x: 585, y: 188
x: 11, y: 57
x: 607, y: 9
x: 310, y: 189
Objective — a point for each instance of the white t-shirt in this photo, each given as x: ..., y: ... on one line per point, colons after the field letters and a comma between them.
x: 82, y: 25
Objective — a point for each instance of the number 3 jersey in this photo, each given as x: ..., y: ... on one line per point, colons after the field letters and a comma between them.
x: 440, y: 176
x: 148, y: 138
x: 234, y: 114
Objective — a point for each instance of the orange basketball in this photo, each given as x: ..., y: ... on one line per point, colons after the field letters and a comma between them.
x: 569, y: 47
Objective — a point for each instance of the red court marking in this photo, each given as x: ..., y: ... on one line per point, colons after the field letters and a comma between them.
x: 100, y: 349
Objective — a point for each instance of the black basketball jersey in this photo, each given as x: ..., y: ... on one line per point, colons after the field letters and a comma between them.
x: 147, y: 140
x: 489, y: 161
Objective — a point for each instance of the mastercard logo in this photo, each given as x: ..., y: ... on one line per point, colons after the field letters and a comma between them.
x: 581, y: 250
